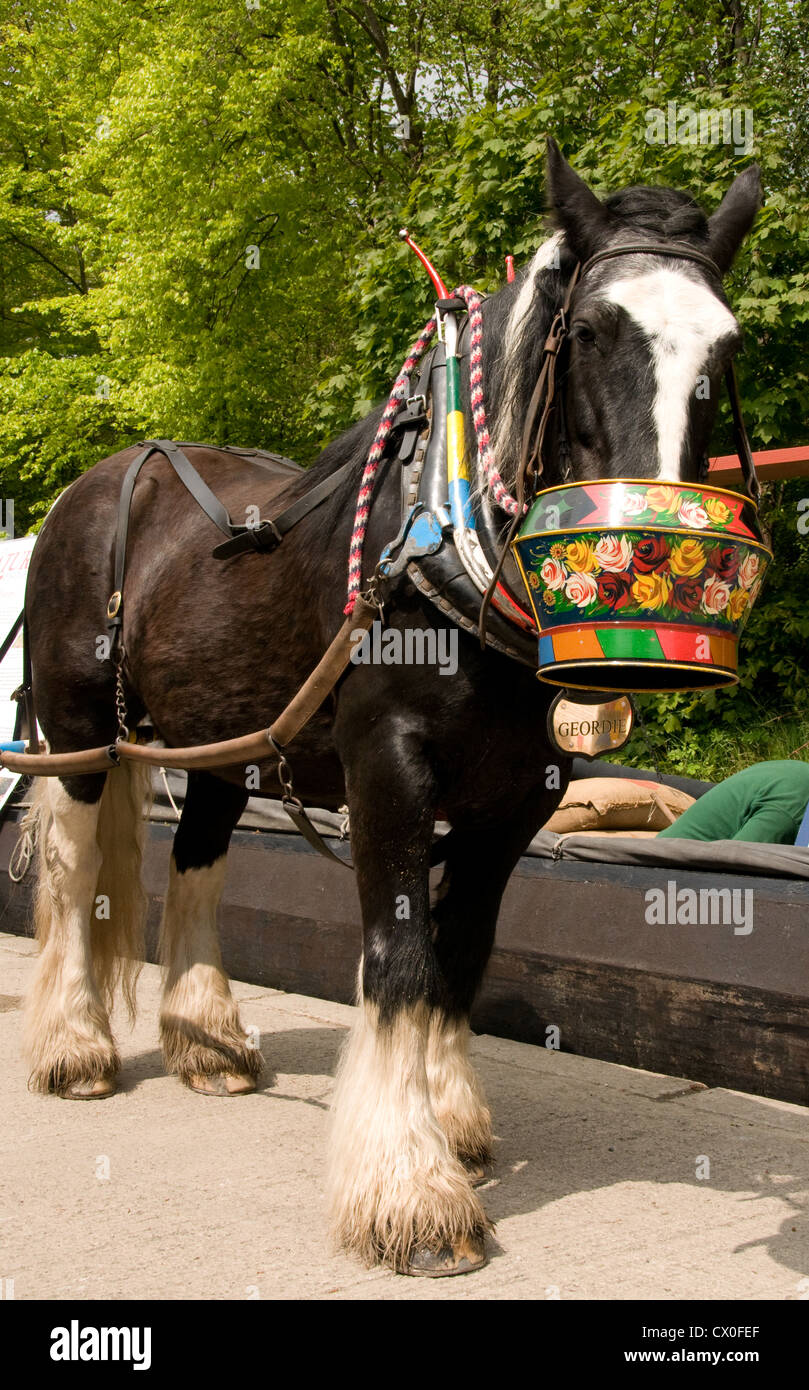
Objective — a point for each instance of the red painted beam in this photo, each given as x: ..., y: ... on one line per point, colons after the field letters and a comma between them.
x: 772, y: 465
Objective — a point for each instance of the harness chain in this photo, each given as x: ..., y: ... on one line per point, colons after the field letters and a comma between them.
x: 494, y: 482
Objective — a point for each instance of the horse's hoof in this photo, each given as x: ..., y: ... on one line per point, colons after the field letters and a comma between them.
x: 477, y: 1173
x: 226, y: 1083
x: 467, y: 1256
x: 97, y: 1089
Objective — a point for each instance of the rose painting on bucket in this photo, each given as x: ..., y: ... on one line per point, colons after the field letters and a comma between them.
x: 637, y: 574
x: 657, y: 578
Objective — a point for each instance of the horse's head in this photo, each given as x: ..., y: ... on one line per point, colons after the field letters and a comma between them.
x: 650, y: 336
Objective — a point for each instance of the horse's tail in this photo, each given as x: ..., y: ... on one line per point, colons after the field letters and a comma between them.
x: 120, y: 902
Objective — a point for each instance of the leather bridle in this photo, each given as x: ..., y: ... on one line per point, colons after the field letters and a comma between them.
x: 545, y: 395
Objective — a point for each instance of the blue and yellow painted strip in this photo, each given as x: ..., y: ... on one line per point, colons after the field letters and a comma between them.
x: 463, y: 518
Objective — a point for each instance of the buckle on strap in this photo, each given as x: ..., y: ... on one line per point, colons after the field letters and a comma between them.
x: 412, y: 418
x: 263, y: 537
x: 556, y: 334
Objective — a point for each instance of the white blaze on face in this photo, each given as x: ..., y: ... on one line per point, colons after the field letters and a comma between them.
x: 682, y: 320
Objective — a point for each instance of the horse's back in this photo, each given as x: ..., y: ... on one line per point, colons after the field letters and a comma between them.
x: 173, y: 585
x: 77, y: 538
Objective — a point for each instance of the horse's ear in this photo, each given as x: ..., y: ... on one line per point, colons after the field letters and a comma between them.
x: 581, y: 216
x: 729, y: 225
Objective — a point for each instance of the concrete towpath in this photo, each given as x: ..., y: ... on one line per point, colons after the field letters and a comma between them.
x: 609, y: 1183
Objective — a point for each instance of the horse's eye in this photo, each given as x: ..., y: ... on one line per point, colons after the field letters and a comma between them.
x: 582, y: 333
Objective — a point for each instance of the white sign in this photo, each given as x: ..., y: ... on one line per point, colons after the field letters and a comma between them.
x: 14, y: 560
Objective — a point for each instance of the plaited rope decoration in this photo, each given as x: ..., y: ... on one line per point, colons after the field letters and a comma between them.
x: 377, y: 449
x: 500, y: 494
x: 494, y: 482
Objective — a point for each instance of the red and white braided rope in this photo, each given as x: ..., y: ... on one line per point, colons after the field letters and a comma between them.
x: 494, y: 482
x: 395, y: 399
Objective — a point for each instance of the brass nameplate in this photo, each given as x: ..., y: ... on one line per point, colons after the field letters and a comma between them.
x: 588, y: 729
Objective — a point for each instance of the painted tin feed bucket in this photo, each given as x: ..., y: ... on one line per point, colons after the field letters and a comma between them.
x: 639, y: 585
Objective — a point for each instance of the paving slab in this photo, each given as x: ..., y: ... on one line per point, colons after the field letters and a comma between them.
x: 608, y: 1182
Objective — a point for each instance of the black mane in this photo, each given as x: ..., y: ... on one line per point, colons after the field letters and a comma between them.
x: 666, y: 212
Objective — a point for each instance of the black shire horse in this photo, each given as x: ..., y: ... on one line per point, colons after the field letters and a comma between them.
x: 217, y: 648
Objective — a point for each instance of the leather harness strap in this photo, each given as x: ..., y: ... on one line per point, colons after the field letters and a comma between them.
x: 270, y: 533
x: 533, y: 438
x: 115, y: 616
x: 740, y: 437
x: 414, y: 417
x: 190, y: 479
x: 25, y: 725
x: 264, y: 537
x: 653, y: 248
x: 311, y: 834
x: 229, y: 752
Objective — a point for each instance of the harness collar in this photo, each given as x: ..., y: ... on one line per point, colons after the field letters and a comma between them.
x: 425, y: 547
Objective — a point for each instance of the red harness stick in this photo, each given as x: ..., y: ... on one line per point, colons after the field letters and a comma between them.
x: 440, y: 287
